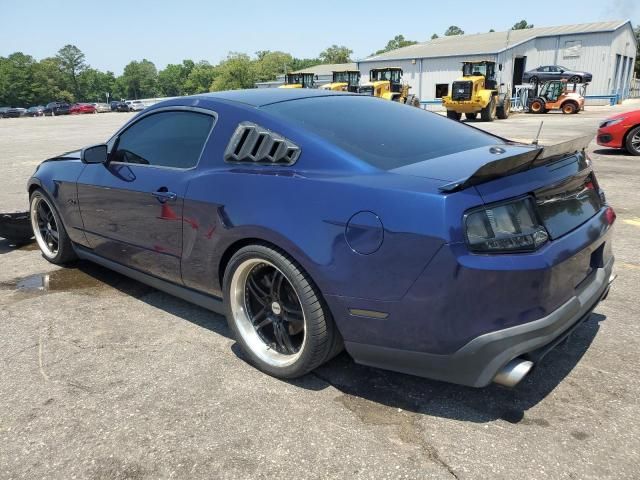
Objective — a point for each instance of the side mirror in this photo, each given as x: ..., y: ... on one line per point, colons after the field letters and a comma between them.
x: 500, y: 67
x: 561, y: 71
x: 94, y: 154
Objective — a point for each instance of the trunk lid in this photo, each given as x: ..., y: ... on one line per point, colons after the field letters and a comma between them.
x: 559, y: 177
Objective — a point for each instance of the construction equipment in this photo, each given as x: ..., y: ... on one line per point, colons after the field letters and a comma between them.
x: 387, y: 83
x: 343, y: 81
x: 558, y: 95
x: 478, y: 92
x: 299, y: 80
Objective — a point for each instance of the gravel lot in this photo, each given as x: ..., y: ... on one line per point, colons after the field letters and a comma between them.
x: 103, y: 377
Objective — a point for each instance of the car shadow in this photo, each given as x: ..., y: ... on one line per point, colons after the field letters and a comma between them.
x: 6, y: 246
x: 385, y: 388
x: 611, y: 151
x: 434, y: 398
x: 180, y: 308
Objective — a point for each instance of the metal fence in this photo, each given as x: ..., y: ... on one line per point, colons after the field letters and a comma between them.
x: 634, y: 88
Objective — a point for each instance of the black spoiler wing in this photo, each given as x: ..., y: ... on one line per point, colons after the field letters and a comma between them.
x: 518, y: 163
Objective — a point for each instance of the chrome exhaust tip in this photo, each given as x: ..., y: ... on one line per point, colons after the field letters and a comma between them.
x: 513, y: 372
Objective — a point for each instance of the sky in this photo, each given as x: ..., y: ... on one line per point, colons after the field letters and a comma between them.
x: 115, y: 32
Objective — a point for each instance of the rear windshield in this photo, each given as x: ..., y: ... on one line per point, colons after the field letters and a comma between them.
x: 383, y: 133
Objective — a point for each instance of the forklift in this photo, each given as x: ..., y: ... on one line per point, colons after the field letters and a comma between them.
x: 557, y: 95
x: 299, y: 80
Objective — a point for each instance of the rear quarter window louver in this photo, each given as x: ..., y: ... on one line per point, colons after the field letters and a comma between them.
x: 252, y: 143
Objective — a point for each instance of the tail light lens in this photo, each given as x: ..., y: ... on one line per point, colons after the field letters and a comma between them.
x: 506, y: 227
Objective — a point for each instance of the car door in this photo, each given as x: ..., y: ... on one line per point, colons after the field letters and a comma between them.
x: 131, y: 206
x: 554, y: 73
x: 543, y: 73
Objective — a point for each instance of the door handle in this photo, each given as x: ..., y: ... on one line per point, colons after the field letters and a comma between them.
x: 164, y: 195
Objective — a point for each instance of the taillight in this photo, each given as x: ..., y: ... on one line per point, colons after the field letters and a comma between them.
x: 506, y: 227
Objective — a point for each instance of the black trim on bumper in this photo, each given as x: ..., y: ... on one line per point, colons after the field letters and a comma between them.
x: 478, y: 362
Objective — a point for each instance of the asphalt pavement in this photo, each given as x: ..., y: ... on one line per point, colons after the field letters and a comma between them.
x: 105, y: 378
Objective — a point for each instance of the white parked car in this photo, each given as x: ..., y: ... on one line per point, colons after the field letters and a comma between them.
x: 102, y: 107
x: 135, y: 105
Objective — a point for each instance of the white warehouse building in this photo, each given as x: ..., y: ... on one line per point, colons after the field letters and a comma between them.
x: 605, y: 49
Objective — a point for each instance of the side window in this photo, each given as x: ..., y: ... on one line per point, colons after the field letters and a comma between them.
x: 543, y: 69
x: 164, y: 139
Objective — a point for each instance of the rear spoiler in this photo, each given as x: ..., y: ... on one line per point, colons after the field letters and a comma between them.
x: 518, y: 163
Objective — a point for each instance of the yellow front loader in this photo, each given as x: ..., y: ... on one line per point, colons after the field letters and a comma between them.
x: 299, y: 80
x: 343, y: 81
x: 387, y: 83
x: 477, y: 92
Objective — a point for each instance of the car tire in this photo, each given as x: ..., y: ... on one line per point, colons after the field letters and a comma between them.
x: 632, y: 141
x: 47, y: 225
x: 453, y: 115
x: 569, y: 108
x: 488, y: 113
x: 574, y: 79
x: 277, y: 314
x: 533, y: 80
x: 537, y: 106
x: 471, y: 115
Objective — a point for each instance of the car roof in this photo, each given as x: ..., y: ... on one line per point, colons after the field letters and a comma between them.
x: 258, y: 97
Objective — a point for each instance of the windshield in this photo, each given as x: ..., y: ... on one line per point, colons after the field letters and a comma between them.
x: 384, y: 134
x: 390, y: 75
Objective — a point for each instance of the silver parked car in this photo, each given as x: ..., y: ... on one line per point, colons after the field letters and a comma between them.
x: 102, y: 107
x: 135, y: 105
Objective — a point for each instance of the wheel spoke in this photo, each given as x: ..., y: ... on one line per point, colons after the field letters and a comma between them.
x: 259, y: 316
x: 282, y: 338
x: 276, y: 284
x: 264, y: 323
x: 258, y: 294
x: 54, y: 234
x: 42, y: 213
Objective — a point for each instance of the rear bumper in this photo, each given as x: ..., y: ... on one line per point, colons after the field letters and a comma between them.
x: 478, y: 362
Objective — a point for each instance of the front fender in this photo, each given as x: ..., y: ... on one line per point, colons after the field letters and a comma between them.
x: 58, y: 180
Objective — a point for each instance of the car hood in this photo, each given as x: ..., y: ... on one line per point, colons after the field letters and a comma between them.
x: 73, y: 155
x: 472, y: 167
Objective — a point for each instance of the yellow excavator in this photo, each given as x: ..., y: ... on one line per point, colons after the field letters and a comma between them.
x: 343, y: 81
x: 299, y: 80
x: 387, y: 83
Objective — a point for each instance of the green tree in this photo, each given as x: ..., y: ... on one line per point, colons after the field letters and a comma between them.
x: 491, y: 30
x: 17, y: 73
x: 139, y: 79
x: 236, y: 71
x: 200, y: 78
x: 336, y: 54
x: 271, y: 64
x: 72, y: 64
x: 172, y: 80
x: 453, y: 30
x: 302, y: 63
x: 96, y: 84
x: 50, y: 83
x: 434, y: 36
x: 521, y: 25
x: 396, y: 42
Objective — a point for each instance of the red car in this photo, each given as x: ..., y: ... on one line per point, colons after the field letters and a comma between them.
x: 621, y: 131
x: 82, y: 108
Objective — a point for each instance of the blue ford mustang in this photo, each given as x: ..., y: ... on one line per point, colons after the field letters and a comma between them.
x: 318, y: 221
